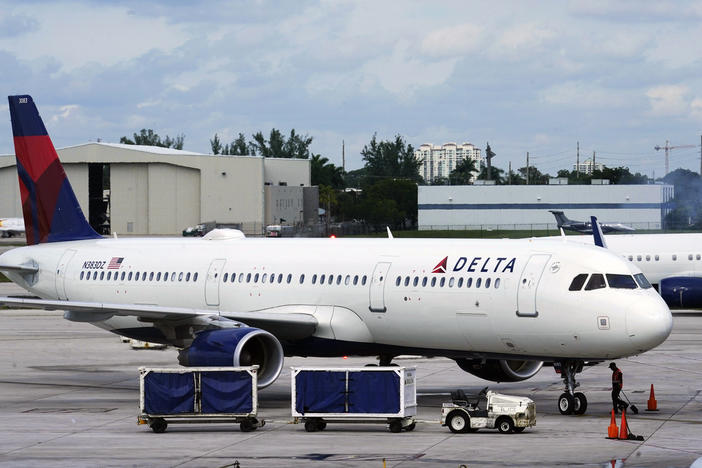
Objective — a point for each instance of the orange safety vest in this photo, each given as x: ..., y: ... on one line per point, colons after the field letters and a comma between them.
x: 617, y: 378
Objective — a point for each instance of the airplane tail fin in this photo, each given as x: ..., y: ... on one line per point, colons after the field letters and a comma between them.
x: 561, y: 218
x: 51, y: 210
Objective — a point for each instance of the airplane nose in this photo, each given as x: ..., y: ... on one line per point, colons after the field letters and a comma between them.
x: 648, y: 323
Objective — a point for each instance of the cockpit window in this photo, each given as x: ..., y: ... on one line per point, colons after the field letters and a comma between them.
x: 596, y: 281
x: 642, y: 280
x: 578, y: 282
x: 621, y: 281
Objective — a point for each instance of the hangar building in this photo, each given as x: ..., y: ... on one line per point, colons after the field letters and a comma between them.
x: 527, y: 206
x: 132, y: 189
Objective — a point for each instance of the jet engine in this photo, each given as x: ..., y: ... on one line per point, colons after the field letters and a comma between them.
x: 681, y: 291
x: 236, y: 347
x: 500, y: 370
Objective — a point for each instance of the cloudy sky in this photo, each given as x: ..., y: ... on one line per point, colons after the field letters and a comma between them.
x: 619, y: 77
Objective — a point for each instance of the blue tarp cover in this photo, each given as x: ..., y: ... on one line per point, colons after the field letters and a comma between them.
x: 320, y: 392
x: 374, y: 392
x: 169, y: 393
x: 226, y: 392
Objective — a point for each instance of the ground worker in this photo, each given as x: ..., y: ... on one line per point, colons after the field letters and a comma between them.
x: 617, y: 383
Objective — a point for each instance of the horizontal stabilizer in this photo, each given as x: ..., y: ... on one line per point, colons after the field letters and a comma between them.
x: 23, y: 269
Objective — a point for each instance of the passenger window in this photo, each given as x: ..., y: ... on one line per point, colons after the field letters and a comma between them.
x: 102, y: 275
x: 280, y: 278
x: 577, y: 283
x: 433, y: 281
x: 314, y: 279
x: 180, y: 276
x: 487, y: 282
x: 195, y: 277
x: 596, y: 282
x: 424, y: 282
x: 451, y: 281
x: 415, y: 282
x: 289, y: 279
x: 642, y: 281
x: 322, y: 278
x: 407, y: 280
x: 675, y: 257
x: 330, y: 279
x: 657, y: 257
x: 123, y: 276
x: 109, y: 275
x: 158, y: 276
x: 173, y: 276
x: 187, y: 276
x: 355, y: 280
x: 338, y: 280
x: 347, y: 280
x: 689, y: 257
x: 638, y: 258
x: 460, y: 282
x: 256, y: 278
x: 697, y: 257
x: 248, y: 277
x: 129, y: 278
x: 442, y: 282
x: 363, y: 280
x: 302, y: 278
x: 82, y: 274
x: 272, y: 280
x: 469, y: 282
x: 225, y: 277
x: 648, y: 258
x: 497, y: 283
x: 397, y: 281
x: 631, y: 258
x: 621, y: 281
x: 477, y: 282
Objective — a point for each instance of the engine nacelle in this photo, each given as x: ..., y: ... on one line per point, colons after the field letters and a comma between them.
x: 681, y: 291
x: 500, y: 370
x: 236, y: 347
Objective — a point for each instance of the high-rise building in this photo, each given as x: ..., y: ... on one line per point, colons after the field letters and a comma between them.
x: 439, y: 161
x: 587, y: 166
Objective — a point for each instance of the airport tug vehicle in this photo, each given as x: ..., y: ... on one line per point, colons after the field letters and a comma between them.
x: 489, y: 410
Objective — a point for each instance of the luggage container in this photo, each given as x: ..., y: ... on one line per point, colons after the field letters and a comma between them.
x: 193, y: 395
x: 322, y: 395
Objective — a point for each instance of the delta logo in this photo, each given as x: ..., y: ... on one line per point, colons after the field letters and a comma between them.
x: 478, y: 264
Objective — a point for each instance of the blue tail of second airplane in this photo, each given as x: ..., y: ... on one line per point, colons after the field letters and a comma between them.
x: 51, y: 210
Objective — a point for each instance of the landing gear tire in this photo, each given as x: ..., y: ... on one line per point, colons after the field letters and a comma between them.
x: 566, y: 403
x: 580, y: 403
x: 458, y: 422
x: 505, y: 425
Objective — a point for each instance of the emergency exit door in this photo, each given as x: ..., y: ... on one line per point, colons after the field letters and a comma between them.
x: 377, y: 287
x: 61, y: 274
x: 212, y: 282
x: 528, y: 285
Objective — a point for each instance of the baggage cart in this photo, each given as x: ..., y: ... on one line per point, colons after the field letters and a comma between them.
x: 193, y: 395
x: 386, y: 395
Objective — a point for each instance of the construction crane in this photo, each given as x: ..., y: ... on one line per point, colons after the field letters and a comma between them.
x: 667, y: 149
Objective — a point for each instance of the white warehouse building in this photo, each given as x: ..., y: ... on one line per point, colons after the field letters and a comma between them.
x: 527, y: 206
x: 141, y: 190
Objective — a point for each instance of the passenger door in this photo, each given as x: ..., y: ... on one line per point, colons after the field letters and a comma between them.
x: 529, y: 283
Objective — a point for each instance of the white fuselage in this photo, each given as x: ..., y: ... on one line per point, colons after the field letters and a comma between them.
x: 382, y: 291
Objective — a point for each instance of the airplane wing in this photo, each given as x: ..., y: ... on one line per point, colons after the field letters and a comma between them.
x: 284, y: 324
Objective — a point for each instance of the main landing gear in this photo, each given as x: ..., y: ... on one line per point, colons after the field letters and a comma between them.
x: 570, y: 401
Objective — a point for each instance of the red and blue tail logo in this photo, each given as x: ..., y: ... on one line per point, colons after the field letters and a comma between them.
x: 51, y: 210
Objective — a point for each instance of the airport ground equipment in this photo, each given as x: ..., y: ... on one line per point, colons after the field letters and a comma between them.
x: 632, y: 406
x: 193, y: 395
x: 322, y: 395
x: 488, y: 410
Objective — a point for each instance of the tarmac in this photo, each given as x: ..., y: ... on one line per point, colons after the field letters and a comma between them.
x: 69, y: 396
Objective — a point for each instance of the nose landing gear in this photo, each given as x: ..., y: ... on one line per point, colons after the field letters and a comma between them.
x: 570, y: 401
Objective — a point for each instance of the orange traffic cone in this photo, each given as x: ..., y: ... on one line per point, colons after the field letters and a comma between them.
x: 652, y: 403
x: 613, y: 430
x: 623, y: 433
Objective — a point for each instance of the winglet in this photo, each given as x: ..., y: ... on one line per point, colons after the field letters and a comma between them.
x: 597, y: 233
x: 51, y: 211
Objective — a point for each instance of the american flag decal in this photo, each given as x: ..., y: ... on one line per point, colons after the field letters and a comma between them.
x: 115, y: 263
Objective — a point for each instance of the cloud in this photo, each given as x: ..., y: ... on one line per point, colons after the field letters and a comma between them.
x: 14, y: 25
x: 64, y: 112
x: 579, y: 94
x: 522, y: 39
x: 452, y: 41
x: 669, y: 100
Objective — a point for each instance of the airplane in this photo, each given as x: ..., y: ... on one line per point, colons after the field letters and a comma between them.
x: 11, y: 227
x: 671, y: 262
x: 585, y: 227
x: 499, y: 308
